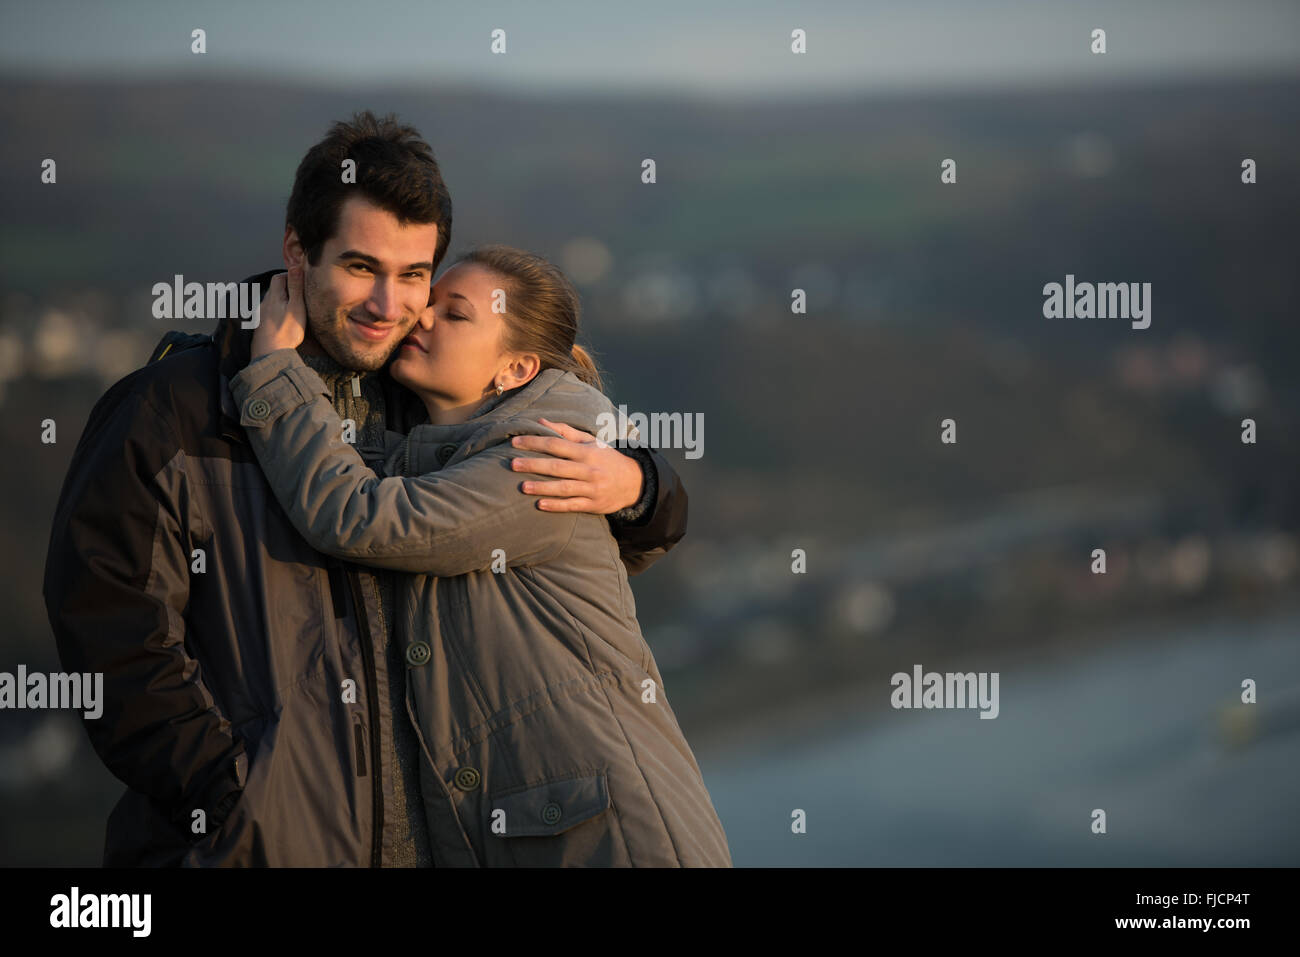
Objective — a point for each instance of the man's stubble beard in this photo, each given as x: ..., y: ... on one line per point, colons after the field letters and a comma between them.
x: 328, y: 327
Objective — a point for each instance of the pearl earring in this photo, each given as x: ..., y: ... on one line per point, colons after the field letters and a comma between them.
x: 500, y: 388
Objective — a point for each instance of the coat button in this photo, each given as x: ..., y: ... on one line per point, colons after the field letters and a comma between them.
x: 467, y: 779
x: 444, y: 453
x: 551, y: 813
x: 259, y: 408
x: 418, y: 654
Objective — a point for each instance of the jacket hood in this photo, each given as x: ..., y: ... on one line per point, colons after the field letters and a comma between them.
x: 235, y: 348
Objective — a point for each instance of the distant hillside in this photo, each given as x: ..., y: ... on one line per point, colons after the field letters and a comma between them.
x: 924, y: 299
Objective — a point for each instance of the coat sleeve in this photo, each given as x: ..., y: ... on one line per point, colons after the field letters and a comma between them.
x: 116, y: 588
x: 444, y: 523
x: 662, y: 524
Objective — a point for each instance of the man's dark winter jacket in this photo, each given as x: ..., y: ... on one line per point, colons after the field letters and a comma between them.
x: 240, y: 676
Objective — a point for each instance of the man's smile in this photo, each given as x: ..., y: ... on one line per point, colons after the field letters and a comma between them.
x: 374, y: 331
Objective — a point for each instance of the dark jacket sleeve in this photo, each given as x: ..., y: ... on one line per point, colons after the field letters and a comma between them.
x: 643, y: 542
x: 116, y: 591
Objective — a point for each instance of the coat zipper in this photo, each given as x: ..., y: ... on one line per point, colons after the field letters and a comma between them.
x: 372, y: 695
x: 372, y: 692
x: 358, y: 736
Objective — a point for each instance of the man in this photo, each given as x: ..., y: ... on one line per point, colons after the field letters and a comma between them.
x: 254, y: 698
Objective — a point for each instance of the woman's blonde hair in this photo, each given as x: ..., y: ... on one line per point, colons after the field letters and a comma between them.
x: 542, y: 309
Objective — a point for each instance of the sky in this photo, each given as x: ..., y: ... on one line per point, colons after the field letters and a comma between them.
x: 702, y: 47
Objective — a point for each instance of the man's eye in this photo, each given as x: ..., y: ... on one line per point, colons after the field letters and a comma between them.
x: 361, y: 266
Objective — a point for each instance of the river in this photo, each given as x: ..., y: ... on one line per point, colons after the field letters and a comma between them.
x: 1149, y: 728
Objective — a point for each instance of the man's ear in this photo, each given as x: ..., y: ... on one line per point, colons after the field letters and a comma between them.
x: 294, y: 254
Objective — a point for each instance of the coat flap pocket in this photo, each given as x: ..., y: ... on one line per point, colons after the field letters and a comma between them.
x: 553, y: 806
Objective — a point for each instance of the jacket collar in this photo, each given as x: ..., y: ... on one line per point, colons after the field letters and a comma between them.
x: 427, y: 444
x: 403, y: 408
x: 495, y: 409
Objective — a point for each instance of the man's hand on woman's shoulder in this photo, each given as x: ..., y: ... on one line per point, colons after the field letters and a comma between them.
x: 590, y: 476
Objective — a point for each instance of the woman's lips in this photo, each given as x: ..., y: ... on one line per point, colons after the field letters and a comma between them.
x: 371, y: 331
x: 414, y: 343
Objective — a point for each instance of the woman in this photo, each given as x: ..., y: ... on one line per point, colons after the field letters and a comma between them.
x: 545, y: 734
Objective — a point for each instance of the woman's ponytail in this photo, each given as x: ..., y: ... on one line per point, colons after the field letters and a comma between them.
x: 586, y: 370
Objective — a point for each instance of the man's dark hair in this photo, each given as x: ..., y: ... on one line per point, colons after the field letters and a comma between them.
x: 395, y: 170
